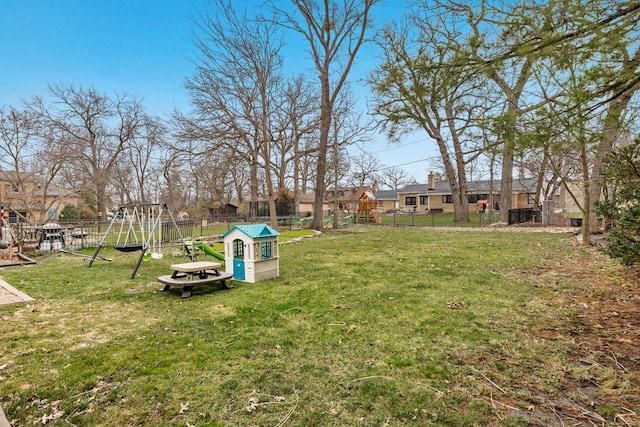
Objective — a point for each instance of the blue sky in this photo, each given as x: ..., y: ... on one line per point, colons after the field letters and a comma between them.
x: 139, y: 47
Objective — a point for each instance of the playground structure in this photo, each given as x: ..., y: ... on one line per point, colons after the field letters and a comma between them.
x: 251, y: 252
x: 367, y: 210
x: 140, y: 229
x: 197, y: 245
x: 11, y: 245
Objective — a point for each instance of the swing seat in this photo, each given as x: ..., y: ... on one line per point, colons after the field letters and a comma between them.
x: 129, y: 248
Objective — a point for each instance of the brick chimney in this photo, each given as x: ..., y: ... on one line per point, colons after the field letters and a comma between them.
x: 431, y: 183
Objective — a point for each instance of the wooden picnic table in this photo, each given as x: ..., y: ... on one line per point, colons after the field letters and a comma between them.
x: 189, y: 274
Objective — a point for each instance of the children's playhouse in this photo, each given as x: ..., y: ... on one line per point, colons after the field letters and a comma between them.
x: 251, y: 252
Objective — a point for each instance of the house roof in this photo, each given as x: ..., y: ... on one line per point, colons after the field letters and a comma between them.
x: 306, y: 198
x: 518, y: 184
x: 254, y: 230
x: 480, y: 186
x: 414, y: 188
x: 386, y: 195
x: 352, y: 193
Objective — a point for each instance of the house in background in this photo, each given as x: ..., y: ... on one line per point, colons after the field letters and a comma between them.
x: 23, y: 198
x: 564, y: 198
x: 388, y: 200
x: 223, y: 210
x: 304, y: 204
x: 415, y: 198
x: 436, y: 196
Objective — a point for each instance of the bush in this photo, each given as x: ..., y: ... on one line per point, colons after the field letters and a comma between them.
x: 622, y: 173
x: 70, y: 213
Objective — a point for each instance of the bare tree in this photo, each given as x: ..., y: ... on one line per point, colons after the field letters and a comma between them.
x: 142, y: 155
x: 32, y: 158
x: 96, y: 128
x: 395, y: 178
x: 17, y: 138
x: 364, y: 170
x: 297, y: 122
x: 235, y: 91
x: 335, y: 32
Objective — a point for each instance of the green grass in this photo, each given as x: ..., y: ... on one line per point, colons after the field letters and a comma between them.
x: 365, y: 326
x: 440, y: 219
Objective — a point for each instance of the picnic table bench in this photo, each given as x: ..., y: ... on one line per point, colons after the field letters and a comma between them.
x: 189, y: 274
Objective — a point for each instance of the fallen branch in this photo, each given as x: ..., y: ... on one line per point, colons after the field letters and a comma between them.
x: 291, y: 411
x: 615, y: 360
x: 558, y: 417
x: 438, y: 393
x: 588, y: 412
x: 623, y: 416
x: 486, y: 378
x: 374, y: 376
x: 513, y: 408
x: 493, y: 404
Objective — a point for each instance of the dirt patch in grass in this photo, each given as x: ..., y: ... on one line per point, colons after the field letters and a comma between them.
x: 597, y: 319
x: 596, y: 307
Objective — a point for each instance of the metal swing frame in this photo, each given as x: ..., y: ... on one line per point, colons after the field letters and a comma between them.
x: 144, y: 243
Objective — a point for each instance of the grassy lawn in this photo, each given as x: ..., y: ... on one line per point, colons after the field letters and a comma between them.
x: 368, y: 326
x: 440, y: 219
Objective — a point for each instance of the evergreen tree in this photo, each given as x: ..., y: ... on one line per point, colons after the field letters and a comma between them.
x: 622, y: 173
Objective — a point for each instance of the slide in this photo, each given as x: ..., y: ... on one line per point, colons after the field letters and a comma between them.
x: 206, y: 249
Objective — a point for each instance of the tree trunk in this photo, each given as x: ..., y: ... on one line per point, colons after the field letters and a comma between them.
x: 586, y: 210
x: 610, y: 134
x: 321, y: 167
x: 506, y: 182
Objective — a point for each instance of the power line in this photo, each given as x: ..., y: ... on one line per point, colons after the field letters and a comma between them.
x: 394, y: 147
x: 397, y: 146
x: 404, y: 164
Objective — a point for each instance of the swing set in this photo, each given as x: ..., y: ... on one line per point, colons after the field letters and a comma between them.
x: 139, y: 228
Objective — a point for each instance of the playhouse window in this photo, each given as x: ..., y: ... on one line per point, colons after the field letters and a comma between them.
x: 238, y: 249
x: 266, y: 250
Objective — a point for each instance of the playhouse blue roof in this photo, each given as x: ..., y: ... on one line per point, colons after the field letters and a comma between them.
x: 254, y: 230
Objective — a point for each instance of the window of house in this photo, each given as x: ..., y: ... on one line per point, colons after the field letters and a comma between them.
x: 380, y: 204
x: 410, y: 201
x: 474, y: 198
x: 424, y: 200
x: 266, y: 250
x: 531, y: 198
x: 447, y: 198
x: 15, y: 218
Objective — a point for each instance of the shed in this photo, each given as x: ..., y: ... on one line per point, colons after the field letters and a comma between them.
x: 251, y: 252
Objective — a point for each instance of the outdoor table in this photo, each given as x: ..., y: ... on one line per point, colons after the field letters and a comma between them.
x: 189, y: 274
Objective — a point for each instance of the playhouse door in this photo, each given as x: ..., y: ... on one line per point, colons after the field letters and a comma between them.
x: 238, y: 269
